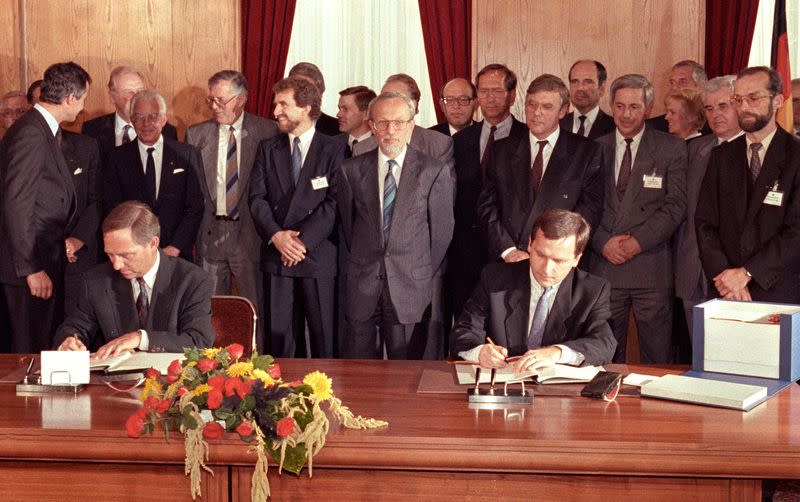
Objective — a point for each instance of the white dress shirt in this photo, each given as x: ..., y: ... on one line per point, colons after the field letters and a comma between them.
x: 158, y: 156
x: 222, y: 161
x: 591, y: 116
x: 52, y: 123
x: 620, y: 151
x: 119, y: 129
x: 383, y: 168
x: 149, y: 281
x: 305, y: 143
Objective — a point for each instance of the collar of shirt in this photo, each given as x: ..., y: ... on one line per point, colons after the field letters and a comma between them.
x: 119, y: 125
x: 361, y: 138
x: 149, y: 279
x: 502, y: 131
x: 237, y: 127
x: 453, y: 130
x: 548, y: 148
x: 620, y: 150
x: 591, y: 116
x: 721, y: 141
x: 383, y: 159
x: 536, y: 293
x: 48, y: 117
x: 695, y: 134
x: 158, y: 145
x: 305, y: 142
x: 764, y: 145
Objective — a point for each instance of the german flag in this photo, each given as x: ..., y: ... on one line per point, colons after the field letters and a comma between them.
x: 780, y: 61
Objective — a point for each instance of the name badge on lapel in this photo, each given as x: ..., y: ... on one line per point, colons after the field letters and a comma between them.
x: 652, y: 181
x: 774, y: 197
x: 319, y: 183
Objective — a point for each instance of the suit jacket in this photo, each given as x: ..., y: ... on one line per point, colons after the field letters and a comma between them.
x: 422, y: 227
x: 737, y: 230
x: 102, y: 129
x: 602, y: 125
x: 468, y: 251
x: 499, y: 309
x: 327, y: 125
x: 431, y: 143
x: 179, y: 205
x: 179, y: 315
x: 38, y: 197
x: 278, y: 205
x: 651, y: 215
x: 442, y: 127
x: 572, y: 180
x: 205, y: 136
x: 688, y: 270
x: 83, y: 161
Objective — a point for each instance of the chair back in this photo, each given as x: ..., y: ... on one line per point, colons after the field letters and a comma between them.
x: 234, y: 320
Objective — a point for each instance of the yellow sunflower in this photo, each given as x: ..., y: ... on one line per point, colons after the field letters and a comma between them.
x: 320, y: 383
x: 201, y: 389
x: 263, y: 376
x: 211, y: 353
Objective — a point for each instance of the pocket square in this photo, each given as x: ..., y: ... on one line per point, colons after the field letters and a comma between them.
x: 178, y: 170
x: 77, y: 171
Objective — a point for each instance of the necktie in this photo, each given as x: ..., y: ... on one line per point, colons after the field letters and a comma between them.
x: 389, y: 194
x: 349, y: 150
x: 581, y: 128
x: 537, y: 169
x: 59, y: 137
x: 142, y: 303
x: 487, y: 152
x: 297, y: 160
x: 126, y: 137
x: 755, y: 161
x: 150, y: 176
x: 536, y: 333
x: 232, y: 177
x: 624, y: 170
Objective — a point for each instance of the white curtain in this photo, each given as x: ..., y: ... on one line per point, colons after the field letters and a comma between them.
x: 361, y: 42
x: 761, y: 49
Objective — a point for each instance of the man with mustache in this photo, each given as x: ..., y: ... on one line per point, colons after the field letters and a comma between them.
x: 748, y: 214
x: 587, y: 84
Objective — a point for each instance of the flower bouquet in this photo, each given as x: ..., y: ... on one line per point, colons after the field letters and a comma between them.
x: 215, y: 390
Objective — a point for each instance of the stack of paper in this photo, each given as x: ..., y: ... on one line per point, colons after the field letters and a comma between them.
x: 737, y: 396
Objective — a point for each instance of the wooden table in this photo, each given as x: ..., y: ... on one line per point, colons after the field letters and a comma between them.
x: 436, y: 447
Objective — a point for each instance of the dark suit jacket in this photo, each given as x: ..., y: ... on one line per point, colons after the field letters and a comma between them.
x: 276, y: 204
x: 688, y: 270
x: 500, y: 304
x: 603, y: 124
x: 734, y: 230
x: 38, y: 198
x: 442, y: 127
x: 179, y: 314
x: 572, y: 180
x: 179, y: 206
x: 102, y: 129
x: 83, y: 161
x: 651, y: 215
x: 422, y: 227
x: 205, y: 136
x: 327, y: 125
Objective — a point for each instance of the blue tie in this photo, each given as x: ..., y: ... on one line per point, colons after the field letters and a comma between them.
x: 297, y: 160
x: 389, y: 195
x: 539, y: 320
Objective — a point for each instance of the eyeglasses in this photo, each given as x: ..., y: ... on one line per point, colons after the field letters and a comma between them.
x: 221, y: 103
x: 461, y: 100
x: 153, y: 117
x: 751, y: 99
x: 13, y: 112
x: 495, y: 92
x: 397, y: 125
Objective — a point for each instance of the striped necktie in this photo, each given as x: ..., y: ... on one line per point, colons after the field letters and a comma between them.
x: 389, y: 195
x: 232, y: 177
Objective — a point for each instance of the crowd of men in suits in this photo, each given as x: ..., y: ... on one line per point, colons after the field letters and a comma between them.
x: 365, y: 235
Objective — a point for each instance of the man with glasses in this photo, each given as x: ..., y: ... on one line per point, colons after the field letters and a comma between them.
x: 748, y: 213
x: 116, y: 128
x: 13, y: 105
x: 587, y: 84
x: 160, y: 172
x: 227, y: 244
x: 397, y: 232
x: 458, y: 103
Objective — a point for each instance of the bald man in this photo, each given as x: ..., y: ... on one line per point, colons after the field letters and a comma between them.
x: 458, y: 102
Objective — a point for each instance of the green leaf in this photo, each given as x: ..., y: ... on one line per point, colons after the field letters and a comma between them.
x: 188, y: 422
x: 232, y: 422
x: 192, y: 354
x: 247, y: 404
x: 222, y: 413
x: 262, y: 362
x: 295, y: 457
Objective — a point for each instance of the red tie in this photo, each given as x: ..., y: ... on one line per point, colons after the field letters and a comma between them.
x: 538, y: 168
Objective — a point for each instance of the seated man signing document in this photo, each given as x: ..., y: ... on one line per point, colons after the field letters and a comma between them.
x: 143, y: 299
x: 544, y: 309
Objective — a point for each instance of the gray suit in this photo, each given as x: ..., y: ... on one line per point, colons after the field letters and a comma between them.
x: 227, y: 249
x: 391, y: 285
x: 651, y: 216
x: 690, y: 283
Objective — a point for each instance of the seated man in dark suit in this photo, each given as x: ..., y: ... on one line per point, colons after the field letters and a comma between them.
x: 116, y: 129
x: 143, y: 299
x: 544, y: 309
x: 159, y: 171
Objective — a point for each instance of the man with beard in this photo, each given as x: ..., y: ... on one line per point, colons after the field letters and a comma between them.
x: 748, y: 213
x: 292, y: 191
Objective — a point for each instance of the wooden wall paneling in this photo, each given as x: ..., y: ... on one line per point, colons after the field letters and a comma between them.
x: 627, y: 36
x: 11, y: 54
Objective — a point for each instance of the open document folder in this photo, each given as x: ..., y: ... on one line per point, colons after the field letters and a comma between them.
x: 136, y: 361
x: 557, y: 373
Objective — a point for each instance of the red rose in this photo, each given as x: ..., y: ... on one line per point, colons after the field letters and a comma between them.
x: 285, y: 427
x: 151, y: 402
x: 213, y: 430
x: 142, y: 413
x: 235, y: 350
x: 152, y: 373
x: 214, y: 400
x: 163, y: 406
x: 206, y: 365
x: 232, y: 386
x: 245, y: 388
x: 183, y: 390
x: 174, y: 368
x: 134, y: 425
x: 244, y: 429
x: 217, y: 382
x: 172, y: 378
x: 275, y: 371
